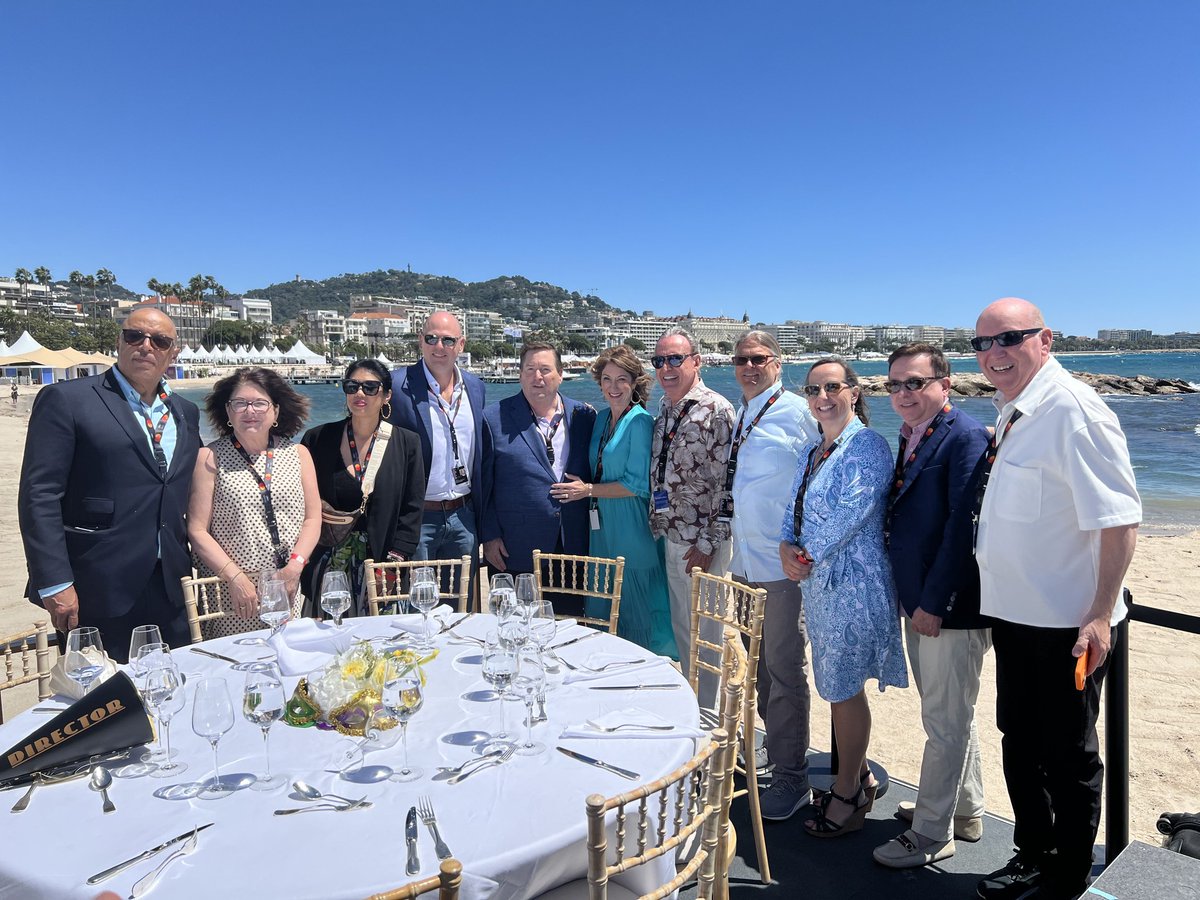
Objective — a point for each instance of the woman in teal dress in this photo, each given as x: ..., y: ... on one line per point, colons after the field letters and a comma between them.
x: 620, y: 457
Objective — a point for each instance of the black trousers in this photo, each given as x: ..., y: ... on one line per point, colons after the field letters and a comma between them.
x: 1051, y: 753
x: 153, y: 607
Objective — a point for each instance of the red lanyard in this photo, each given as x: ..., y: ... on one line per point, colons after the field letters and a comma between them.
x: 360, y: 468
x: 901, y: 462
x: 810, y: 469
x: 156, y: 432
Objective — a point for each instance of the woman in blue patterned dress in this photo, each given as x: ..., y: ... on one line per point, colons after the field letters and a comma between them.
x: 832, y: 540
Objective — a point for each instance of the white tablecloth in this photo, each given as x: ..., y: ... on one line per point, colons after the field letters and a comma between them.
x: 519, y: 829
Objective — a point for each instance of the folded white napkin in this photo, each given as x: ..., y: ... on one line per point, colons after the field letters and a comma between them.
x: 303, y: 645
x: 601, y: 658
x: 413, y: 624
x: 631, y: 716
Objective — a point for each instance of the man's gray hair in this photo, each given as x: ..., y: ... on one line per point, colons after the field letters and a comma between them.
x: 683, y: 333
x: 758, y: 336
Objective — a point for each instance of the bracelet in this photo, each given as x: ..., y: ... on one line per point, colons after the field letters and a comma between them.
x: 228, y: 563
x: 241, y: 574
x: 297, y: 557
x: 589, y: 490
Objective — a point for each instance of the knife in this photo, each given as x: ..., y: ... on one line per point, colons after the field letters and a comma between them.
x: 599, y: 764
x: 635, y: 687
x: 145, y: 854
x: 227, y: 659
x: 410, y: 837
x: 582, y: 637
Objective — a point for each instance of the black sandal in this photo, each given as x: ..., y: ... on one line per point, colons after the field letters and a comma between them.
x: 825, y: 827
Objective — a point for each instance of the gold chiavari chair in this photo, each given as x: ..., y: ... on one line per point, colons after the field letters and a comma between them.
x: 737, y: 608
x: 582, y: 576
x: 202, y: 597
x: 389, y: 582
x: 735, y: 666
x: 27, y: 658
x: 446, y: 882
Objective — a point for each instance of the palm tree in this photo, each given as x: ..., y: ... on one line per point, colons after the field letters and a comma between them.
x: 42, y: 274
x: 76, y: 278
x: 155, y: 285
x: 106, y: 279
x: 89, y: 281
x: 23, y: 276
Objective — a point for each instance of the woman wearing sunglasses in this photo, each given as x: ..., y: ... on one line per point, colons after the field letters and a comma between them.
x: 364, y: 450
x: 832, y: 541
x: 254, y: 504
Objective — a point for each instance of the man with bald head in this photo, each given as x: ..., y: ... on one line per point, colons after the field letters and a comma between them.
x: 1056, y: 525
x: 104, y: 486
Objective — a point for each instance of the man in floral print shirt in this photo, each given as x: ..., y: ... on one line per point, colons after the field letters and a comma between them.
x: 687, y: 476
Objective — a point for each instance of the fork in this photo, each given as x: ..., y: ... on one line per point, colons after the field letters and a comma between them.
x: 580, y: 667
x: 429, y: 817
x: 609, y: 729
x: 487, y: 763
x: 146, y: 882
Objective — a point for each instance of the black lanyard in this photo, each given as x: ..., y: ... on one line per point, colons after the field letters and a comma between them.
x: 360, y: 468
x: 668, y: 437
x: 903, y: 462
x: 264, y: 490
x: 810, y: 469
x: 740, y: 438
x: 456, y: 405
x: 548, y: 437
x: 156, y: 431
x: 604, y: 439
x: 985, y: 473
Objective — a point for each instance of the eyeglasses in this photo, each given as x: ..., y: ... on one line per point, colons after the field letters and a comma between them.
x: 759, y: 360
x: 1004, y: 339
x: 829, y: 387
x: 447, y: 341
x: 370, y: 388
x: 259, y: 405
x: 675, y: 360
x: 916, y: 383
x: 135, y: 336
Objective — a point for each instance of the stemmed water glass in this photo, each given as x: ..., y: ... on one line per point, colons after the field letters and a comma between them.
x: 542, y: 627
x: 527, y: 594
x: 151, y: 658
x: 164, y: 685
x: 141, y: 636
x: 85, y: 656
x: 335, y: 595
x: 424, y: 596
x: 500, y: 666
x: 503, y: 581
x: 274, y: 608
x: 262, y: 705
x: 529, y: 683
x: 212, y: 716
x: 502, y: 603
x: 402, y: 697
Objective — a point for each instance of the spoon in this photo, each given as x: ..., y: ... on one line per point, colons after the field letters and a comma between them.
x: 100, y: 781
x: 308, y: 792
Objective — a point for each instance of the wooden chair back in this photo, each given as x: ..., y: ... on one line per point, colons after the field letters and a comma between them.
x: 582, y: 576
x: 389, y: 582
x: 736, y: 666
x: 661, y: 817
x: 202, y: 597
x: 27, y: 658
x: 446, y: 882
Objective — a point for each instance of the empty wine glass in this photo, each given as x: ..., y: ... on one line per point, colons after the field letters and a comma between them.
x: 150, y: 659
x: 165, y: 685
x: 402, y: 697
x: 141, y: 636
x: 212, y: 716
x: 527, y: 594
x: 502, y: 603
x: 499, y: 669
x: 503, y: 581
x: 85, y: 656
x: 514, y: 631
x: 529, y: 683
x: 543, y: 626
x: 424, y: 597
x: 262, y: 705
x: 274, y: 608
x: 335, y: 595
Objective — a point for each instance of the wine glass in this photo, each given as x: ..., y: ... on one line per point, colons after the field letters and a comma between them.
x: 503, y: 581
x: 424, y: 597
x: 527, y: 593
x: 514, y: 631
x: 335, y: 595
x: 529, y: 683
x: 543, y: 626
x: 212, y: 716
x: 141, y: 636
x: 85, y: 656
x: 274, y: 608
x: 262, y: 705
x: 151, y: 658
x: 402, y: 697
x: 500, y: 667
x: 165, y: 685
x: 502, y: 603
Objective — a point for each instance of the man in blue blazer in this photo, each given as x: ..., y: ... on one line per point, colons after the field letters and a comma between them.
x: 533, y: 440
x: 937, y: 582
x: 444, y: 406
x: 104, y: 488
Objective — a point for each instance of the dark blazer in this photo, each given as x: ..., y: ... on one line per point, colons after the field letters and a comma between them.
x: 517, y: 505
x: 930, y: 525
x: 410, y: 409
x: 93, y: 508
x: 398, y: 498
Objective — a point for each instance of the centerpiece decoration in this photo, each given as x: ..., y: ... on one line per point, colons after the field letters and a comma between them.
x: 346, y: 694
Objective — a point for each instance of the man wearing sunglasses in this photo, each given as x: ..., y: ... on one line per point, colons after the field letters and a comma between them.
x: 1057, y: 526
x: 929, y: 528
x: 104, y: 487
x: 444, y: 406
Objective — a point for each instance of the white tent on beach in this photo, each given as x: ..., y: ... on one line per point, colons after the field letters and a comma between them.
x: 302, y: 355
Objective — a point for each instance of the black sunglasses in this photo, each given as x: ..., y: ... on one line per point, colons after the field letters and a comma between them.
x: 370, y: 388
x: 675, y: 360
x: 135, y: 336
x: 916, y: 383
x: 759, y: 360
x: 830, y: 388
x: 1004, y: 339
x: 447, y: 341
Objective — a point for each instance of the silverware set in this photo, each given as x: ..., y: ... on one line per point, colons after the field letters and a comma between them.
x: 189, y: 836
x: 471, y: 766
x: 596, y: 670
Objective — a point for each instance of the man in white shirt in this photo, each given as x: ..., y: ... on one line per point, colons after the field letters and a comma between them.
x: 770, y: 431
x: 444, y: 406
x: 1057, y: 527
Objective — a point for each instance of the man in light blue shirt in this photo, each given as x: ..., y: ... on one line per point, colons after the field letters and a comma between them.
x: 772, y: 427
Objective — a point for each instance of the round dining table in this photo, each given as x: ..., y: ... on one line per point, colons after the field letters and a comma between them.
x: 518, y: 828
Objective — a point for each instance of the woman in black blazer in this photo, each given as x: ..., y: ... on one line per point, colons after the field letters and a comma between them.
x: 341, y: 452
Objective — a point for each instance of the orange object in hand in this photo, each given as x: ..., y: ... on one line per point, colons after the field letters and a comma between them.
x: 1081, y: 665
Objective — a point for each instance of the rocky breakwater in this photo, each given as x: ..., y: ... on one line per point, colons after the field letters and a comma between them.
x: 972, y: 384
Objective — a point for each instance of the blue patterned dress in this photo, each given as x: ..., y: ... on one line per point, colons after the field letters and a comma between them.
x: 849, y: 599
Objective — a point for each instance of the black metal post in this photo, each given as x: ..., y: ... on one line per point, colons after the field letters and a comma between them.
x: 1116, y: 739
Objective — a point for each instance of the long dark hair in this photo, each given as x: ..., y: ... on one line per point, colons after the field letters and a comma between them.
x: 293, y: 407
x: 851, y: 378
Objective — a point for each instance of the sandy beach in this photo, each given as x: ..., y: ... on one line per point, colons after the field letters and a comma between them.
x: 1165, y: 668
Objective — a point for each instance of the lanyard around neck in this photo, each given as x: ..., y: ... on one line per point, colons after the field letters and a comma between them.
x: 264, y: 491
x: 156, y: 431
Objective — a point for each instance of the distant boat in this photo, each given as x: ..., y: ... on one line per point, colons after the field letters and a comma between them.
x: 497, y: 376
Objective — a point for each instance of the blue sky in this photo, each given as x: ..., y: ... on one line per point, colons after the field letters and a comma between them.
x: 884, y: 161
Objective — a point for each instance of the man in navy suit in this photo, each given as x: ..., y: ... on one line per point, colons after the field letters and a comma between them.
x: 104, y: 487
x: 533, y: 440
x: 937, y: 582
x: 444, y: 406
